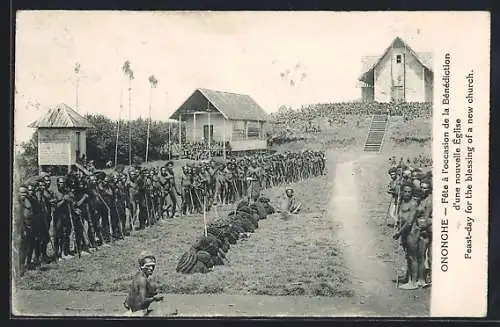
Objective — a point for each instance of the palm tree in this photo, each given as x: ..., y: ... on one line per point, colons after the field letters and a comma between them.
x: 118, y: 122
x: 152, y: 82
x: 77, y: 82
x: 130, y: 74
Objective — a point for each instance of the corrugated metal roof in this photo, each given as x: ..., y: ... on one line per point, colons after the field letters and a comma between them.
x: 232, y: 105
x: 368, y: 63
x: 61, y: 116
x: 426, y: 59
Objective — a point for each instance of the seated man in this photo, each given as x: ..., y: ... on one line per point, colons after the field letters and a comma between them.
x: 142, y: 292
x: 290, y: 205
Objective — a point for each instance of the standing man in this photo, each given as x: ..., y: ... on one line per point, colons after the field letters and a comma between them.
x: 109, y: 196
x: 393, y: 190
x: 97, y: 209
x: 45, y: 198
x: 172, y: 188
x: 29, y: 237
x: 423, y: 221
x: 406, y: 215
x: 186, y: 186
x: 134, y: 196
x: 62, y: 219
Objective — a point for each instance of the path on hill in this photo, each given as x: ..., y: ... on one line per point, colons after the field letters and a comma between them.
x: 365, y: 246
x: 369, y: 273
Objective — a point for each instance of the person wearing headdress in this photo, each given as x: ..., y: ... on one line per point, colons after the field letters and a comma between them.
x: 142, y: 291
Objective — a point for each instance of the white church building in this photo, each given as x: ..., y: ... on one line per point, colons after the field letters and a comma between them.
x: 398, y: 75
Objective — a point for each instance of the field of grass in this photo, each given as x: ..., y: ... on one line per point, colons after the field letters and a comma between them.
x: 417, y: 131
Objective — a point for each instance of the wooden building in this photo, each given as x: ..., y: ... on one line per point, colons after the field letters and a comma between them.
x: 212, y: 116
x: 398, y: 75
x: 62, y: 139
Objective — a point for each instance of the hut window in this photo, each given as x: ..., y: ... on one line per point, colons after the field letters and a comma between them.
x: 253, y: 130
x: 238, y: 130
x: 398, y: 59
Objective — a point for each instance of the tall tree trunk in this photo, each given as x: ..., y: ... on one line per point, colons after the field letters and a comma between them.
x: 118, y: 124
x: 149, y: 124
x: 130, y: 122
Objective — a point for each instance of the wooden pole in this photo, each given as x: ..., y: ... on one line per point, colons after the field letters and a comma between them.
x: 224, y: 139
x: 194, y: 126
x: 38, y: 140
x: 205, y: 214
x: 209, y: 133
x: 130, y: 122
x: 169, y: 140
x: 77, y: 83
x: 69, y: 158
x: 169, y: 130
x: 77, y: 86
x: 180, y: 131
x: 149, y: 124
x: 118, y: 124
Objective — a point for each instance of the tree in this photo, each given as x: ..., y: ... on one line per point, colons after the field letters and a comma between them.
x: 130, y: 74
x: 152, y: 82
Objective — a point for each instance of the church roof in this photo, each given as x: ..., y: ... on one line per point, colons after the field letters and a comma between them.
x: 368, y: 63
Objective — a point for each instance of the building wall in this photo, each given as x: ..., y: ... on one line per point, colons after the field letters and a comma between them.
x: 53, y: 145
x: 194, y: 127
x: 367, y: 94
x: 414, y: 86
x: 228, y: 130
x: 429, y: 86
x: 407, y: 78
x: 382, y: 80
x: 248, y: 145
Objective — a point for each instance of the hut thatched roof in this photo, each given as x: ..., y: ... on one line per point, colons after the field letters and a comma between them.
x: 61, y: 116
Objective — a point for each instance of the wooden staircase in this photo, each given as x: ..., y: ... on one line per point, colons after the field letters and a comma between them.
x: 376, y: 135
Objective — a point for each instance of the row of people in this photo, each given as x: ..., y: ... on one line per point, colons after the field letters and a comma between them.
x: 410, y: 214
x: 87, y: 210
x: 204, y: 151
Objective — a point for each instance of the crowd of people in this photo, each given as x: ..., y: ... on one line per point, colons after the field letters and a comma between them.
x: 204, y: 151
x: 338, y: 113
x: 88, y: 209
x: 410, y: 214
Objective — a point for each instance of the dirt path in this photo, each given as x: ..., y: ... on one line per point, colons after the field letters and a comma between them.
x: 366, y: 246
x: 76, y: 303
x: 369, y: 274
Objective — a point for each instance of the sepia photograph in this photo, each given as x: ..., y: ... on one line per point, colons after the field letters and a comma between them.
x: 267, y: 164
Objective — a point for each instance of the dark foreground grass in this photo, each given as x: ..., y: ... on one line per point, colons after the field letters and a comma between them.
x: 300, y: 256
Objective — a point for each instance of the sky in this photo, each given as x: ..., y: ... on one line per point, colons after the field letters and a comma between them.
x: 240, y: 52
